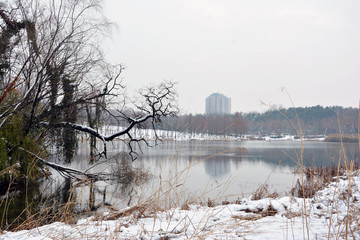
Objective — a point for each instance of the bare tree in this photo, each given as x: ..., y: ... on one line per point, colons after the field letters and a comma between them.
x: 52, y: 68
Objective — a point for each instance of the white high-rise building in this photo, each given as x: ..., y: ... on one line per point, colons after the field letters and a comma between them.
x: 217, y: 103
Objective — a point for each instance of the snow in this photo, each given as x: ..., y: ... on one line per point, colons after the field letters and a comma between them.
x: 321, y: 217
x: 164, y: 134
x: 185, y: 136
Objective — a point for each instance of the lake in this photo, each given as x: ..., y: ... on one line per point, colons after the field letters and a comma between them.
x: 235, y: 169
x: 219, y: 170
x: 190, y: 171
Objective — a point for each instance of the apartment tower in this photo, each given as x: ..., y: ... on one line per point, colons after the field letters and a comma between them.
x: 217, y: 103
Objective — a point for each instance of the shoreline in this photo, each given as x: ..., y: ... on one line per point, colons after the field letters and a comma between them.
x: 277, y: 218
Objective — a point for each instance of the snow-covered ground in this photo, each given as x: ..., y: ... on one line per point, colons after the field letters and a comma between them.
x: 330, y: 214
x: 183, y: 136
x: 164, y: 134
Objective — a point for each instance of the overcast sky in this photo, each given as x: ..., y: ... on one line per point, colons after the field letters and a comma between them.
x: 247, y: 50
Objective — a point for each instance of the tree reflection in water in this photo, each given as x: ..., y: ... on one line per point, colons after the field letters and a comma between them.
x: 211, y: 163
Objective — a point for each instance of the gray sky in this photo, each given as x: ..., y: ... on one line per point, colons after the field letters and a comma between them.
x: 247, y: 50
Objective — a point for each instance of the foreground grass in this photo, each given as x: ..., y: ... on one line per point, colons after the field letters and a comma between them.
x: 324, y: 205
x: 333, y: 213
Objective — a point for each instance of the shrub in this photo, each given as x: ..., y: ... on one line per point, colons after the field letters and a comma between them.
x: 15, y: 145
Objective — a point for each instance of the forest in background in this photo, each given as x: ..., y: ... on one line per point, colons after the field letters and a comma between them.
x: 316, y: 120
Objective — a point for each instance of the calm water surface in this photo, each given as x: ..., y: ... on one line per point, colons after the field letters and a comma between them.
x: 245, y: 165
x: 211, y: 169
x: 193, y: 171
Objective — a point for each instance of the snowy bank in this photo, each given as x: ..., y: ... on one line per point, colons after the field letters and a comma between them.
x: 331, y: 213
x: 149, y: 134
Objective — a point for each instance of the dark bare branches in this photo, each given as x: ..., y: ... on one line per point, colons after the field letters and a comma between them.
x: 55, y: 81
x: 159, y: 102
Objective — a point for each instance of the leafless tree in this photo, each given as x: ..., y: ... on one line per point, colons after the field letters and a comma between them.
x: 52, y: 68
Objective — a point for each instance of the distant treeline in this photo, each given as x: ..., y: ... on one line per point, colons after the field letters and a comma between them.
x: 315, y: 120
x: 232, y: 124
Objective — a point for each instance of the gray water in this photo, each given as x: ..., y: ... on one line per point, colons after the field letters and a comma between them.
x: 241, y: 166
x: 191, y: 171
x: 220, y: 170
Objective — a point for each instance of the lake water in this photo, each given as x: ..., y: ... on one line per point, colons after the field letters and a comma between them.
x: 193, y: 171
x: 234, y: 169
x: 219, y: 170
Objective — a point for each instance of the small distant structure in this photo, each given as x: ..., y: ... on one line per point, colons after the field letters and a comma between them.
x: 217, y: 103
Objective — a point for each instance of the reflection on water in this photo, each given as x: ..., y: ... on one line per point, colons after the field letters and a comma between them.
x: 218, y: 161
x: 216, y: 168
x: 210, y: 169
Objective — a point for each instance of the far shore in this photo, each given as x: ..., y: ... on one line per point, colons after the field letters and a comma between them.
x: 342, y: 138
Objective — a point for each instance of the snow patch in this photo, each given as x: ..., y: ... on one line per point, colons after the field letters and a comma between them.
x: 281, y: 218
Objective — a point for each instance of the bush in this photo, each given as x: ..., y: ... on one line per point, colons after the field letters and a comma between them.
x: 15, y: 160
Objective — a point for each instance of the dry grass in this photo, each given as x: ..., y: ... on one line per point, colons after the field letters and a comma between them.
x: 40, y: 209
x: 170, y: 194
x: 263, y: 192
x: 312, y: 180
x: 342, y: 138
x: 45, y: 211
x: 316, y: 178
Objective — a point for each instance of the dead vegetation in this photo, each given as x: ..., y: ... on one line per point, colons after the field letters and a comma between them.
x: 257, y: 213
x: 170, y: 194
x: 342, y: 138
x: 263, y: 192
x: 47, y: 211
x: 316, y: 178
x: 63, y: 205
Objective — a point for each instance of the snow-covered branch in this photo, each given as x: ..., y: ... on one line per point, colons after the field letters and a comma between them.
x: 159, y: 102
